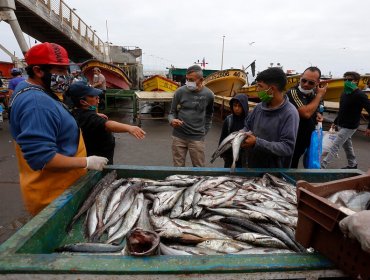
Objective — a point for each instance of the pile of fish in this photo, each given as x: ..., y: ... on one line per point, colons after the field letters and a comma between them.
x: 352, y: 199
x: 199, y: 215
x: 232, y: 141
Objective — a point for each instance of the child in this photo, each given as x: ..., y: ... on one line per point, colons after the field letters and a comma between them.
x: 235, y: 122
x: 96, y: 128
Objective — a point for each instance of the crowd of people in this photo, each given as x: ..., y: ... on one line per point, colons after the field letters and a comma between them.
x: 56, y: 146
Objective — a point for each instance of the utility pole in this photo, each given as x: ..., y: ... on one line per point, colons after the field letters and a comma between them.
x: 222, y: 57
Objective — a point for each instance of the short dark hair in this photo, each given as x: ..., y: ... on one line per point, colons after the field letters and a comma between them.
x: 313, y: 69
x: 195, y: 68
x: 356, y: 76
x: 43, y: 67
x: 273, y: 76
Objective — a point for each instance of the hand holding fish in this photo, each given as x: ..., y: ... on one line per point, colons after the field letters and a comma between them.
x: 249, y: 142
x: 176, y: 123
x: 357, y: 226
x: 137, y: 132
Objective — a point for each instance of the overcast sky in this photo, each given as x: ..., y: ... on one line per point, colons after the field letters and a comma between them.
x: 333, y: 35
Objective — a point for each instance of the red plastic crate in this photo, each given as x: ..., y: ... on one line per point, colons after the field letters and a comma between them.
x: 318, y: 224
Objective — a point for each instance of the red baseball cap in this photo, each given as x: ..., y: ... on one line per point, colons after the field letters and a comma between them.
x: 47, y: 53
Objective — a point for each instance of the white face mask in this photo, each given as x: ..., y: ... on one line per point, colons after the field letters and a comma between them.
x: 305, y: 91
x: 191, y: 85
x: 96, y: 76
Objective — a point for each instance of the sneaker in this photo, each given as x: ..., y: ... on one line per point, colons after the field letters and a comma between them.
x: 350, y: 167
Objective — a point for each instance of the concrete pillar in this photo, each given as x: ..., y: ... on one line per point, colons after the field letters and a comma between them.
x: 7, y: 14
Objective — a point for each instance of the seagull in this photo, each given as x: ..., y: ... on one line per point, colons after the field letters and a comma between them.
x: 251, y: 43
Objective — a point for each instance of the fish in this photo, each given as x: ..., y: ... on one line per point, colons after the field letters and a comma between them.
x: 261, y: 240
x: 90, y: 248
x: 125, y: 204
x: 195, y: 250
x: 249, y: 225
x: 105, y: 181
x: 114, y: 201
x: 235, y: 144
x: 102, y: 200
x: 224, y: 246
x: 130, y: 218
x: 91, y: 221
x: 166, y: 250
x: 144, y: 221
x: 280, y: 234
x: 223, y: 146
x: 165, y: 201
x: 215, y: 201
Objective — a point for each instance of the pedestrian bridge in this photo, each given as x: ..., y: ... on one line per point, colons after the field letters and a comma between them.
x: 53, y: 21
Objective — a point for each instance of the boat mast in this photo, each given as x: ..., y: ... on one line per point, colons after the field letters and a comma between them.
x: 222, y: 57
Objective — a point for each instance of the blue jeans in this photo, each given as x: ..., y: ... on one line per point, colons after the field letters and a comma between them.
x: 344, y: 139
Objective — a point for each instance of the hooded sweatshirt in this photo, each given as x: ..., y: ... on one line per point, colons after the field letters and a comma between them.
x: 234, y: 123
x: 276, y: 132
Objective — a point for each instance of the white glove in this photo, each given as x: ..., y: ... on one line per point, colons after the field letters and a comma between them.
x: 96, y: 163
x: 357, y: 226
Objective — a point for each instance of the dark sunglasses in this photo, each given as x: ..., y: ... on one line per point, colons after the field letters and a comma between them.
x: 311, y: 83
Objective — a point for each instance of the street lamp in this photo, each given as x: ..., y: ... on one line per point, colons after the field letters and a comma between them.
x: 222, y: 57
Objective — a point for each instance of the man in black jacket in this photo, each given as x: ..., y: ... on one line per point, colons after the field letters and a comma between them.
x: 306, y: 97
x: 352, y: 101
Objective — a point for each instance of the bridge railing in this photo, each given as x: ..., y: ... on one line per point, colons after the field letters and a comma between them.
x: 69, y: 19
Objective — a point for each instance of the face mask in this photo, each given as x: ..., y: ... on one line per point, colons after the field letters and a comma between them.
x: 191, y: 85
x: 91, y: 107
x: 349, y: 87
x: 305, y: 91
x: 264, y: 96
x: 96, y: 76
x: 56, y: 83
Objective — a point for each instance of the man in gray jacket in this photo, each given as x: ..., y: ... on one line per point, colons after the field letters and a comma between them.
x: 191, y: 117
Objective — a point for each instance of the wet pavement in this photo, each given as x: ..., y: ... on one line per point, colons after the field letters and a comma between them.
x: 154, y: 150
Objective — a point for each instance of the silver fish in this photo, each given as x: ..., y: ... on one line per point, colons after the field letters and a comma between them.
x: 224, y: 246
x: 261, y: 240
x: 102, y: 200
x: 166, y: 250
x: 113, y: 203
x: 130, y: 218
x: 237, y: 141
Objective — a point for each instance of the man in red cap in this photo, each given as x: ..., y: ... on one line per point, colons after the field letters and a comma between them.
x: 49, y: 146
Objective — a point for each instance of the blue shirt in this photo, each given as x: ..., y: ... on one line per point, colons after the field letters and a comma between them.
x: 42, y: 127
x: 14, y: 82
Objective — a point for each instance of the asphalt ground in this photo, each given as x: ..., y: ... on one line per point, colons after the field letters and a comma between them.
x: 154, y: 150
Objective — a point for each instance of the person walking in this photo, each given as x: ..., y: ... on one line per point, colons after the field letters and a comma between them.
x: 191, y: 117
x: 307, y: 98
x: 351, y: 104
x: 50, y: 150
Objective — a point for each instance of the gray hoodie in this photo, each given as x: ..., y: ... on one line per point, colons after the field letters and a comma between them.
x: 195, y: 109
x: 276, y: 131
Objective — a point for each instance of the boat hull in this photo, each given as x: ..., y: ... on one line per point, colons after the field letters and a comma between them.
x: 251, y: 91
x: 333, y: 92
x: 226, y: 82
x: 159, y: 83
x: 115, y: 77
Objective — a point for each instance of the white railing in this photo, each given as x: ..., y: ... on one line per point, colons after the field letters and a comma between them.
x: 70, y: 20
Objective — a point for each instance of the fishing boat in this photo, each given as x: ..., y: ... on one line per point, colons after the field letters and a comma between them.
x: 333, y: 92
x: 115, y: 77
x: 159, y: 83
x: 251, y: 91
x: 226, y: 82
x: 336, y: 87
